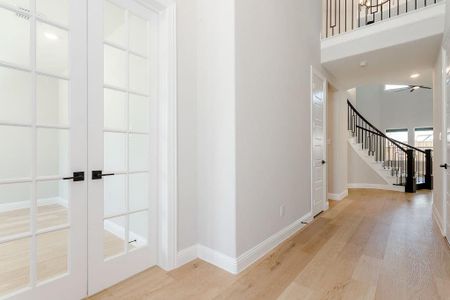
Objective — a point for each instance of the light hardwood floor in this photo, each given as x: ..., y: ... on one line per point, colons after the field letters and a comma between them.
x: 372, y: 245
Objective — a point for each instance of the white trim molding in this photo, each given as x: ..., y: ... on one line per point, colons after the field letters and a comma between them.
x: 386, y: 187
x: 438, y: 218
x: 167, y: 134
x: 251, y: 256
x: 237, y: 265
x: 339, y: 196
x: 187, y: 255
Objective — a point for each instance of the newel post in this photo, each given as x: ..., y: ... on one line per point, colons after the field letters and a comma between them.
x: 410, y: 172
x: 428, y: 169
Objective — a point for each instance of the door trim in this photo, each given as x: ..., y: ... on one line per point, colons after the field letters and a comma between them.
x: 167, y: 134
x: 314, y: 71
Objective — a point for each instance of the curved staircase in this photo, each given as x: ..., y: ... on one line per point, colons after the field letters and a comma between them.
x: 404, y: 167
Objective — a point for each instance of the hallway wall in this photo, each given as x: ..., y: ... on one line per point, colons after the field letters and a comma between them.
x: 276, y: 42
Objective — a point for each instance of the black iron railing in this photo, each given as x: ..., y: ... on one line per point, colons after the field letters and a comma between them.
x: 410, y: 166
x: 346, y: 15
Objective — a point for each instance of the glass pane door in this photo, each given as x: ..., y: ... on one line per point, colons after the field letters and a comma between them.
x: 42, y: 120
x: 122, y: 141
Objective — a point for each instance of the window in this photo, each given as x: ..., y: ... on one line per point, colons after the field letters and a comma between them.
x: 400, y: 135
x: 394, y: 87
x: 423, y: 138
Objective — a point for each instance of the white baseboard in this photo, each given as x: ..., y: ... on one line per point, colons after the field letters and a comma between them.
x: 187, y: 255
x: 237, y: 265
x: 218, y: 259
x: 5, y: 207
x: 437, y: 217
x: 338, y: 197
x: 386, y: 187
x: 260, y: 250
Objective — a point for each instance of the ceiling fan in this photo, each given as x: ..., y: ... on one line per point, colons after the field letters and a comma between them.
x: 413, y: 88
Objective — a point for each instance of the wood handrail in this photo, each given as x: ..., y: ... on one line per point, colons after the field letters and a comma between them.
x: 401, y: 143
x: 373, y: 127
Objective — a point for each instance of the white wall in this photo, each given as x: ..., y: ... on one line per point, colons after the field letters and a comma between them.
x: 382, y: 108
x: 276, y: 42
x: 216, y: 125
x: 187, y: 123
x: 337, y: 141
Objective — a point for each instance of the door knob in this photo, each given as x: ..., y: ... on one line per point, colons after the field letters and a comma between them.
x: 323, y: 162
x: 77, y: 176
x: 445, y: 166
x: 98, y: 174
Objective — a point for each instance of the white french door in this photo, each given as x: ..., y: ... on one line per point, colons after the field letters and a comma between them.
x: 122, y: 140
x: 318, y: 139
x: 43, y: 142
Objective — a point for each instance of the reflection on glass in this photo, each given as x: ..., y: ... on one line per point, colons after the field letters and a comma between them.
x: 115, y: 194
x: 138, y: 191
x: 52, y: 152
x: 15, y: 37
x: 52, y: 50
x: 138, y: 230
x: 115, y: 151
x: 139, y: 113
x: 52, y: 97
x: 138, y: 74
x: 115, y: 67
x: 114, y: 24
x: 15, y: 96
x: 15, y: 262
x: 54, y: 10
x: 15, y: 161
x: 138, y: 35
x: 114, y: 235
x: 115, y: 110
x: 16, y: 202
x: 52, y: 254
x: 52, y: 203
x: 138, y: 152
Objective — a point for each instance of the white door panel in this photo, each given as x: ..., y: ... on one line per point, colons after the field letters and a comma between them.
x: 122, y: 141
x: 43, y: 123
x: 318, y: 132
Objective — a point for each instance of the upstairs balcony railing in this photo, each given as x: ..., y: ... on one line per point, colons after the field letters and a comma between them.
x: 346, y: 15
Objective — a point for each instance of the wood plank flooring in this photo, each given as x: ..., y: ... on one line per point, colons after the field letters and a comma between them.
x: 372, y: 245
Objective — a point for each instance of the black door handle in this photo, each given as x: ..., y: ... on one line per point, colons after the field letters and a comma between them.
x: 77, y: 176
x: 445, y: 166
x: 323, y: 162
x: 98, y: 174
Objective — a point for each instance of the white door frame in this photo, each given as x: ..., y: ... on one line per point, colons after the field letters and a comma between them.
x: 314, y: 71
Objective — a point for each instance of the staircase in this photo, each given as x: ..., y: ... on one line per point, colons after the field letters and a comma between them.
x: 401, y: 165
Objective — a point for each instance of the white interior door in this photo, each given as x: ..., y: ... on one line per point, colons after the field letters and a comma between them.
x: 122, y: 140
x: 446, y: 137
x: 43, y: 141
x: 318, y: 141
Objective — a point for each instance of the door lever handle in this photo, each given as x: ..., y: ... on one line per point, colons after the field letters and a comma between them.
x: 98, y: 174
x: 77, y: 176
x: 445, y: 166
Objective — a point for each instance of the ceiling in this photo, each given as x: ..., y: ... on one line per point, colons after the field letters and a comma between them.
x: 391, y: 65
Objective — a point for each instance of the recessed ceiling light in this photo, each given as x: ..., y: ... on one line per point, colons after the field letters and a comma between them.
x: 363, y: 64
x: 415, y: 75
x: 50, y: 36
